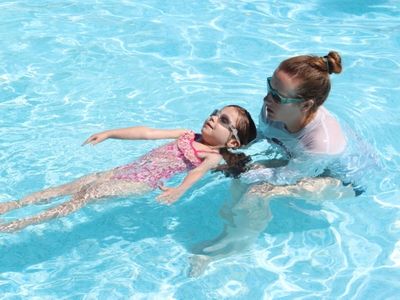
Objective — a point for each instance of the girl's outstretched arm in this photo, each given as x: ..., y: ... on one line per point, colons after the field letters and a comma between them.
x: 135, y: 133
x: 172, y: 194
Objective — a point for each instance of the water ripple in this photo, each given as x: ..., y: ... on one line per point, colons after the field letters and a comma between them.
x: 69, y: 69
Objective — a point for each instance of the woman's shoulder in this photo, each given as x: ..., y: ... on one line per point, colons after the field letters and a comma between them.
x: 325, y: 135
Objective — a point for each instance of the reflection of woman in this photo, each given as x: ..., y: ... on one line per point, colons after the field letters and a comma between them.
x: 292, y: 118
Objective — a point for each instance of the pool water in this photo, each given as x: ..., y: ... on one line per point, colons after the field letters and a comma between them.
x: 69, y: 69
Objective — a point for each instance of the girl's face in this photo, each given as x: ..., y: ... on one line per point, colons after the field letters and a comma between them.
x: 281, y: 103
x: 220, y: 128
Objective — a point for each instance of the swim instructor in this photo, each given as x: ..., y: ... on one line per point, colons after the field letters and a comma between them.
x: 312, y: 141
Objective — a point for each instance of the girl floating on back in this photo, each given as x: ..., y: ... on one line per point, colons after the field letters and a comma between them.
x: 230, y: 127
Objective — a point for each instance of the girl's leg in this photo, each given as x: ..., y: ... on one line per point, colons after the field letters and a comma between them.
x: 61, y: 190
x: 251, y: 214
x: 89, y: 193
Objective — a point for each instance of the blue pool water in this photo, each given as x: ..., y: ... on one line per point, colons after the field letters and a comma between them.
x: 72, y: 68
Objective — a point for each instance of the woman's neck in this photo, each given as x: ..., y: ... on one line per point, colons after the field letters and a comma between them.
x: 299, y: 124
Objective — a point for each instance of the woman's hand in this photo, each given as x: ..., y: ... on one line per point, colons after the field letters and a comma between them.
x: 96, y: 138
x: 169, y: 195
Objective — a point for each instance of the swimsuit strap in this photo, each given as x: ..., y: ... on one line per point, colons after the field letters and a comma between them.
x: 185, y: 145
x: 201, y: 151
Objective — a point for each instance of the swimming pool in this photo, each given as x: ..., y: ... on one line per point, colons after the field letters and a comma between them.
x: 73, y: 68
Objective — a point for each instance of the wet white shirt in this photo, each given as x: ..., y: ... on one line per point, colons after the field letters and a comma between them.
x: 311, y: 150
x: 322, y: 135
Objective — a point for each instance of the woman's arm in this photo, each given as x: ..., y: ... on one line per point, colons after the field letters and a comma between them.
x: 297, y: 168
x: 172, y: 194
x: 135, y: 133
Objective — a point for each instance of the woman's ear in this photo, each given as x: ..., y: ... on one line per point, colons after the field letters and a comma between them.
x: 233, y: 143
x: 307, y: 105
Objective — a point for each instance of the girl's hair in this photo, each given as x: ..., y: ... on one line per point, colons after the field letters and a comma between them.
x: 313, y: 75
x: 236, y: 162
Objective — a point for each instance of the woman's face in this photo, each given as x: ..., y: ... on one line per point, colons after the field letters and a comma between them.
x: 283, y: 86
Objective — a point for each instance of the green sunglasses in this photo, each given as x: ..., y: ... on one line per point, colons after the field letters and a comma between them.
x: 278, y: 98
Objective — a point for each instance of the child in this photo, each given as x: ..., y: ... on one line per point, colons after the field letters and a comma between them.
x: 230, y: 127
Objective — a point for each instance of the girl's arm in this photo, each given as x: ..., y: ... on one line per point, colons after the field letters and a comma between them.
x: 135, y: 133
x: 172, y: 194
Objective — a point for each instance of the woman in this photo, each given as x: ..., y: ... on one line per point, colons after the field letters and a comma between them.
x: 311, y: 141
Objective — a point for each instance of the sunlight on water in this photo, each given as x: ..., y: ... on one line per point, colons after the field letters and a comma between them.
x: 70, y: 69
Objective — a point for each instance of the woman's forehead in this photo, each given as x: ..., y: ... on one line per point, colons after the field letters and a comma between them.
x: 285, y: 84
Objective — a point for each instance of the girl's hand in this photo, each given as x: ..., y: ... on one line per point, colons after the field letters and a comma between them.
x: 169, y: 195
x: 96, y: 138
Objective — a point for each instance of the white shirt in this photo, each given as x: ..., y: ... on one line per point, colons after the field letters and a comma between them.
x: 311, y: 150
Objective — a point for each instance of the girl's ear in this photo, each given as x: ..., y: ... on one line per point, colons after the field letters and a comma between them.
x: 233, y: 143
x: 307, y: 105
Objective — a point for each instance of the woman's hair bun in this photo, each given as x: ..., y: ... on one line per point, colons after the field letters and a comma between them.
x: 334, y: 62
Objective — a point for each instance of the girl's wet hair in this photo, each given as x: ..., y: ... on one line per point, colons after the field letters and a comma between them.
x: 313, y: 75
x: 236, y: 162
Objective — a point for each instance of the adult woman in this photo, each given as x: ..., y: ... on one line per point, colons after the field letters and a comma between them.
x: 311, y: 142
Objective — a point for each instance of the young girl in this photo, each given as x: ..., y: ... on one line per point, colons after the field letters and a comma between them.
x: 230, y: 127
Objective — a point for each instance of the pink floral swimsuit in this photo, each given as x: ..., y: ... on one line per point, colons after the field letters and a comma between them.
x: 163, y: 162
